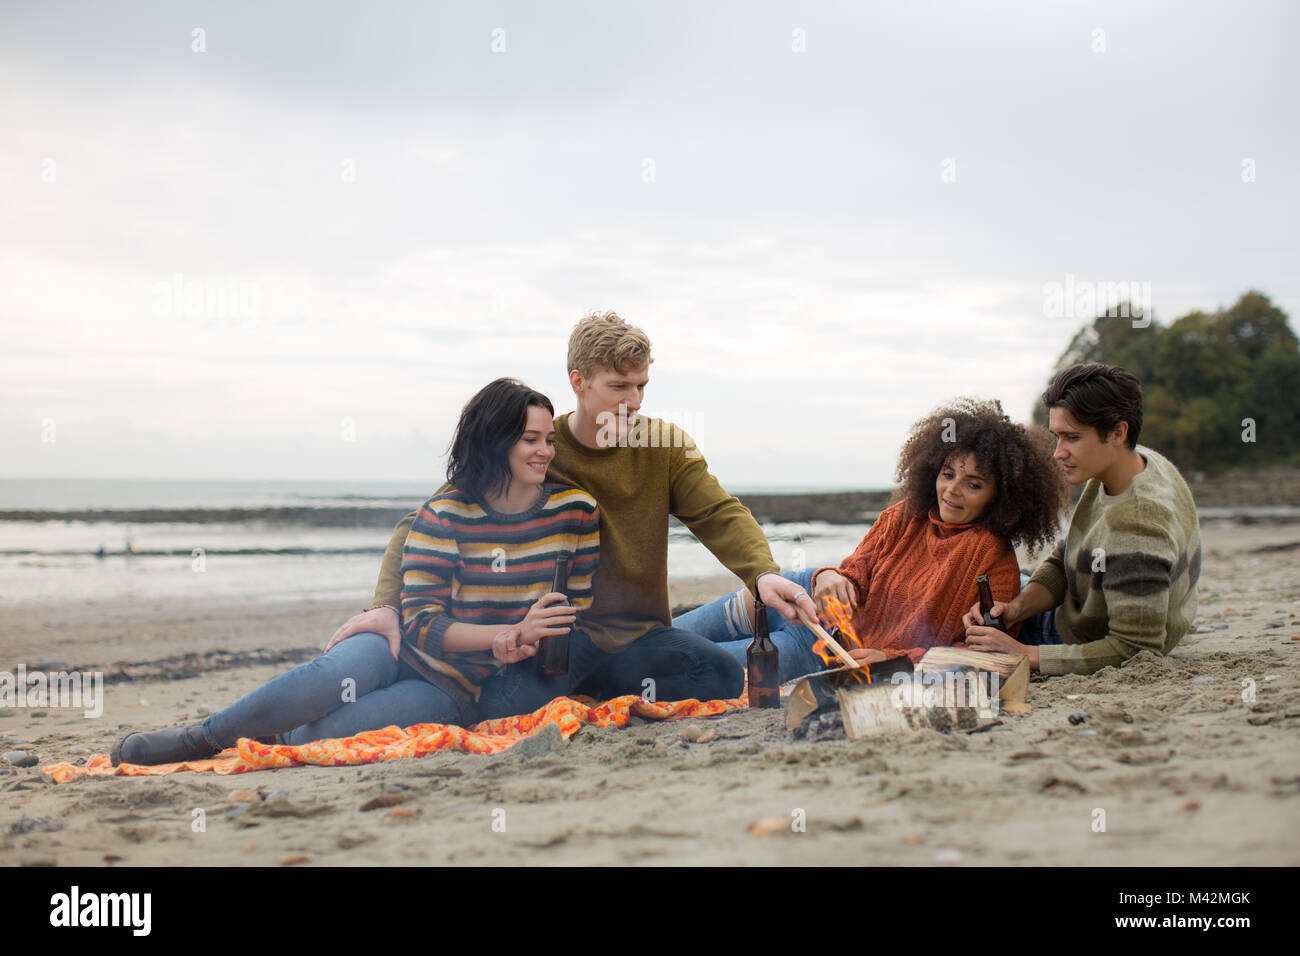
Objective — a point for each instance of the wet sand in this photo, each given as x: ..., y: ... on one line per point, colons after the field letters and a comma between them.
x: 1183, y: 769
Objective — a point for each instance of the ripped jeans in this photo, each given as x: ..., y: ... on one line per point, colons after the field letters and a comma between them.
x: 722, y: 622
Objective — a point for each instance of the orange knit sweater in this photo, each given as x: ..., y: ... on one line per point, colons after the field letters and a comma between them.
x: 916, y: 578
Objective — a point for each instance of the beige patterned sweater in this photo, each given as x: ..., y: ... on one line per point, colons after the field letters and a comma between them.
x: 1126, y: 573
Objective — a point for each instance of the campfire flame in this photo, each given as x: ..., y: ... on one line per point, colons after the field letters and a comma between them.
x: 841, y: 619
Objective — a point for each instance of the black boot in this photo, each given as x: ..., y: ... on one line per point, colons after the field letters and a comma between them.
x: 173, y: 745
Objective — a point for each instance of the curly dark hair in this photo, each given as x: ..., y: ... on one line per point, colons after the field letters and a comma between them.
x: 1030, y: 492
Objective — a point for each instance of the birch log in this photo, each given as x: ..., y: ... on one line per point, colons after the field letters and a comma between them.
x: 1012, y: 669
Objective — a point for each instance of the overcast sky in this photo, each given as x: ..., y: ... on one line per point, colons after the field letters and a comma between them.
x: 828, y: 217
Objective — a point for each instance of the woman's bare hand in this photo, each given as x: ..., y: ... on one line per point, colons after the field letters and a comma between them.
x: 509, y: 648
x: 833, y: 584
x: 974, y: 617
x: 868, y: 655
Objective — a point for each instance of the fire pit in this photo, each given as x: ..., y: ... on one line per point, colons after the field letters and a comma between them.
x: 820, y: 690
x: 951, y: 689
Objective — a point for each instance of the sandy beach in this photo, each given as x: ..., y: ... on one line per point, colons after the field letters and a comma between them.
x: 1183, y: 768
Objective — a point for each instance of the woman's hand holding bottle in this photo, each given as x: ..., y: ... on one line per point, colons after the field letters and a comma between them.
x: 546, y: 618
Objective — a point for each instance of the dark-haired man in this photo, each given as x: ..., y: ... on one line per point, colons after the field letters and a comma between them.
x: 1124, y: 579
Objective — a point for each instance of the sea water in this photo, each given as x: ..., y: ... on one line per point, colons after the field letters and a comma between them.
x: 178, y: 540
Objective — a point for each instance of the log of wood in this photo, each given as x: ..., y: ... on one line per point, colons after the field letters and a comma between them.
x: 954, y: 698
x: 804, y: 699
x: 816, y: 691
x: 1012, y: 669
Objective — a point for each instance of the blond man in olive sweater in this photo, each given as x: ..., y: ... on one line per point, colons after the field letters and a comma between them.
x: 1124, y: 579
x: 640, y: 470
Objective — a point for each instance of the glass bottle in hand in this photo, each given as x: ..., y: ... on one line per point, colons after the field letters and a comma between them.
x: 986, y: 604
x: 763, y: 660
x: 554, y: 650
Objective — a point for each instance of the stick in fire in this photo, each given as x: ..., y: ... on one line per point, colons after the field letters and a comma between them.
x: 826, y: 647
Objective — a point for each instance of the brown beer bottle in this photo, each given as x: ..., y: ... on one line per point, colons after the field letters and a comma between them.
x: 986, y: 604
x: 764, y: 663
x: 554, y: 650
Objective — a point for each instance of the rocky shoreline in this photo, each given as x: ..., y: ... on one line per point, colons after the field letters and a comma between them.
x: 1266, y: 488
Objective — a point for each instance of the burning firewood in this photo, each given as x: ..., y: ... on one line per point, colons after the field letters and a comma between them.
x: 951, y: 689
x: 826, y: 641
x: 820, y: 690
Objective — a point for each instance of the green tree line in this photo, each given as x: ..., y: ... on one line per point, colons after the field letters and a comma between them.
x: 1210, y: 382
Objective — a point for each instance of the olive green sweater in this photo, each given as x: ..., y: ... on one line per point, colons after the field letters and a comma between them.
x: 637, y: 486
x: 1125, y: 575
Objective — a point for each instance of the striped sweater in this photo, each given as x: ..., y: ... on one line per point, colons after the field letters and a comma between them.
x: 465, y: 563
x: 1125, y: 575
x: 638, y: 486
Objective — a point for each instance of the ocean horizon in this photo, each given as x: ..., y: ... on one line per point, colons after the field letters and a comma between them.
x: 81, y: 494
x: 266, y: 540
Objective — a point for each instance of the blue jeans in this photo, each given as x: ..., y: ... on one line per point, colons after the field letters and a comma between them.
x: 1041, y: 628
x: 718, y: 622
x: 308, y: 702
x: 664, y: 664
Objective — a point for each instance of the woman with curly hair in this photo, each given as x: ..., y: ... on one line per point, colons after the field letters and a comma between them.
x: 973, y: 484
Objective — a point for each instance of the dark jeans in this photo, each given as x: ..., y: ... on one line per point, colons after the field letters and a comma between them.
x: 664, y: 664
x: 1039, y: 629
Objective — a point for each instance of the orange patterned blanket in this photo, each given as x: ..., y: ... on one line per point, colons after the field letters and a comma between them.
x: 390, y: 743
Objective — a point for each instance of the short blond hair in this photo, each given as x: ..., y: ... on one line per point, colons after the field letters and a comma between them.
x: 603, y: 340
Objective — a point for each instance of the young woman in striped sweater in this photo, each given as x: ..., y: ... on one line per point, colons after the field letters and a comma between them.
x: 477, y: 573
x: 973, y: 483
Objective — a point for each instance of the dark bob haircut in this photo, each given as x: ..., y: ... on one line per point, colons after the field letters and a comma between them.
x: 1029, y: 492
x: 490, y: 424
x: 1099, y: 396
